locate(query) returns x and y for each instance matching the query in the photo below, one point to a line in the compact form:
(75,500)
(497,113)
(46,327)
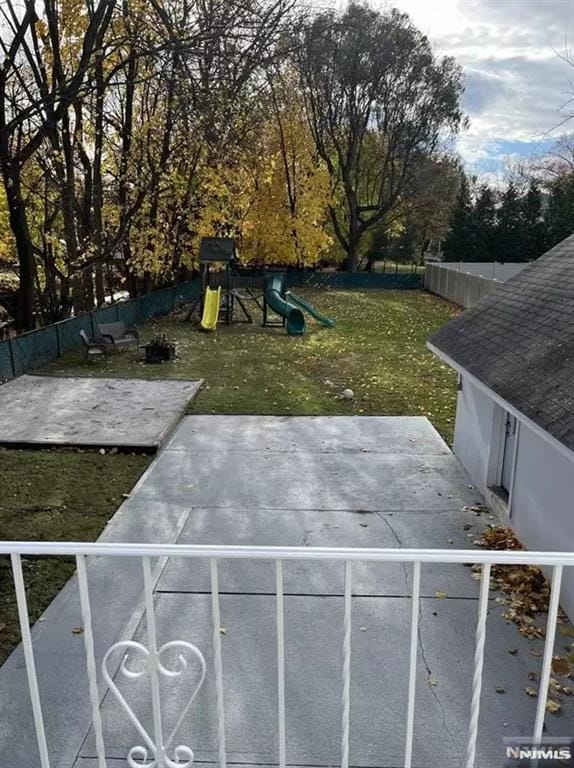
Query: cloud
(516,82)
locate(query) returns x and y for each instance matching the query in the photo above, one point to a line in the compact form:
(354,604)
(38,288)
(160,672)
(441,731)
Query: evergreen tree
(533,226)
(509,237)
(485,225)
(559,217)
(459,242)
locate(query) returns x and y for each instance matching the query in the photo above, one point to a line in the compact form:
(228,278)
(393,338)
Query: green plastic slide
(310,309)
(275,297)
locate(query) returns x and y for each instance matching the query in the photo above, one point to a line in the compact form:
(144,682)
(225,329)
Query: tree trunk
(20,230)
(353,255)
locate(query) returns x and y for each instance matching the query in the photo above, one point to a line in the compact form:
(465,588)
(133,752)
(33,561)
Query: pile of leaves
(525,587)
(526,595)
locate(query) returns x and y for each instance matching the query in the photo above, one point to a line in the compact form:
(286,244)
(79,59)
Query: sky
(516,82)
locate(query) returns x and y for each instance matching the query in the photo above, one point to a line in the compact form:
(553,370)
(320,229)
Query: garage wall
(475,417)
(543,502)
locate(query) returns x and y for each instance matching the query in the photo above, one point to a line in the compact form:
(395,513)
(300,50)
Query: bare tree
(37,92)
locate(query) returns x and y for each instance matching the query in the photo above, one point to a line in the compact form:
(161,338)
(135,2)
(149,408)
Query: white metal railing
(157,745)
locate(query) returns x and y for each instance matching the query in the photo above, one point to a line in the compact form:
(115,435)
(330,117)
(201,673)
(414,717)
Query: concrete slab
(320,528)
(109,413)
(290,481)
(315,434)
(329,481)
(379,674)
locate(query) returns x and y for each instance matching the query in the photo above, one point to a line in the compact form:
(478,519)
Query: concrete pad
(218,480)
(379,674)
(91,412)
(310,434)
(335,481)
(313,528)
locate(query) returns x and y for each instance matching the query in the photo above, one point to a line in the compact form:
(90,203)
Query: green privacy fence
(30,350)
(355,280)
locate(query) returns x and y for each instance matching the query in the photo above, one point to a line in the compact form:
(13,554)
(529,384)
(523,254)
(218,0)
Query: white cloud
(515,79)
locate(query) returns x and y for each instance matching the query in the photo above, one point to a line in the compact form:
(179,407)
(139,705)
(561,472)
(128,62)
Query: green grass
(377,349)
(54,495)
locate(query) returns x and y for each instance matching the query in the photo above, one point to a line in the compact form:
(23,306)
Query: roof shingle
(519,341)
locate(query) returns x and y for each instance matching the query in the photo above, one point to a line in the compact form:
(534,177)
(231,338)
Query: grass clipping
(526,595)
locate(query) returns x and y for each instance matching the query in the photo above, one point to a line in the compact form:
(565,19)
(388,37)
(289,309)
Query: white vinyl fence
(466,283)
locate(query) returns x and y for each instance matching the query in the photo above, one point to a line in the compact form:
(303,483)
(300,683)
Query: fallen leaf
(561,666)
(222,631)
(440,595)
(78,631)
(530,692)
(553,707)
(500,689)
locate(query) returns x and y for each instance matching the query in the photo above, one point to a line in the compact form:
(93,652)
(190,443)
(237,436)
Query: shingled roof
(519,341)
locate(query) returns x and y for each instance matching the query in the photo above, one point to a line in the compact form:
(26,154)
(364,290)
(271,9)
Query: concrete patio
(338,481)
(134,414)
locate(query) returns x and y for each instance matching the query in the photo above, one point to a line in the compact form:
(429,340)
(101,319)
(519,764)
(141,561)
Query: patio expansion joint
(337,510)
(337,595)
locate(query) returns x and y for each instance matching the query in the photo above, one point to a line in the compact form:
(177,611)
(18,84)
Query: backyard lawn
(377,349)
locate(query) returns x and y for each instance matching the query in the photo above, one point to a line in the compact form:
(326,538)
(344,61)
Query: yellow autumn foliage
(272,199)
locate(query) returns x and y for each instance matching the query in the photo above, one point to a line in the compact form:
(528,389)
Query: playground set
(225,294)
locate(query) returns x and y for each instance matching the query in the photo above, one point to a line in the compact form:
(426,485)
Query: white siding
(473,433)
(542,512)
(543,502)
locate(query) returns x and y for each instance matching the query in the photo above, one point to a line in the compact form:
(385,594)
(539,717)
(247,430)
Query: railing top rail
(287,553)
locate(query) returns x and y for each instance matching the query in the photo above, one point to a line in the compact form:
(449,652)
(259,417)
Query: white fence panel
(466,283)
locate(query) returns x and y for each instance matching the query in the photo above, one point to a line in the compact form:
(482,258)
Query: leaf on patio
(500,689)
(531,692)
(440,595)
(561,666)
(553,707)
(78,631)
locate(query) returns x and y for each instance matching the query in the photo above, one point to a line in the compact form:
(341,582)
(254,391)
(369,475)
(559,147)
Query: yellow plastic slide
(211,309)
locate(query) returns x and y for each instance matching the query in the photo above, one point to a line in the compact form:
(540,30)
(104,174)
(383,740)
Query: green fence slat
(6,371)
(128,312)
(69,331)
(356,280)
(33,349)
